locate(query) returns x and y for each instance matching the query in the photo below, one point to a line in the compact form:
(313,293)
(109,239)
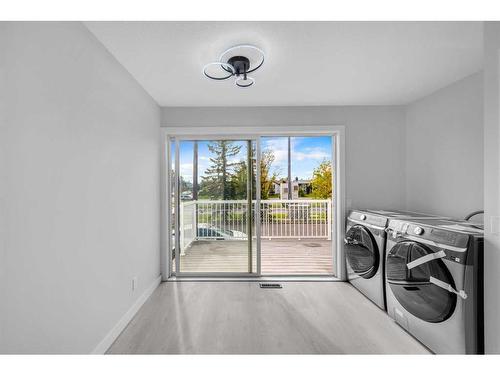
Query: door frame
(337,132)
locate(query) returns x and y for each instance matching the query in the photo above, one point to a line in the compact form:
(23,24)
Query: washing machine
(434,283)
(364,249)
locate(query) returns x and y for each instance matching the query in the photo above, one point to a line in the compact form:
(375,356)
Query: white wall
(492,185)
(444,143)
(374,167)
(79,192)
(79,165)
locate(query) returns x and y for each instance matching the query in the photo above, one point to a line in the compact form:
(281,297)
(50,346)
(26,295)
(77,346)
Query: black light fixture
(236,62)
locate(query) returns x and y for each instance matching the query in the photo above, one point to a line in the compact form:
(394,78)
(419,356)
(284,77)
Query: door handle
(426,258)
(448,287)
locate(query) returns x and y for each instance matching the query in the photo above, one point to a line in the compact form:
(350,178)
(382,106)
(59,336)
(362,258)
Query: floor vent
(271,285)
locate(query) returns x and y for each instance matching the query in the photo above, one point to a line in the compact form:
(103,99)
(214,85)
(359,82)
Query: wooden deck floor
(279,257)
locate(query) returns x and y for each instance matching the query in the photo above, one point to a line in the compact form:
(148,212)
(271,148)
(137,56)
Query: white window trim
(239,132)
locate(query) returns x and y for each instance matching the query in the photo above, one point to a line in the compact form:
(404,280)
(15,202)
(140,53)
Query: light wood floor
(279,257)
(187,317)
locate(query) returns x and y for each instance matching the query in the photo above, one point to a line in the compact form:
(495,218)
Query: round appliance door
(412,288)
(361,251)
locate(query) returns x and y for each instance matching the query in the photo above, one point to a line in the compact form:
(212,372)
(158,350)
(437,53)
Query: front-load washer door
(361,251)
(412,288)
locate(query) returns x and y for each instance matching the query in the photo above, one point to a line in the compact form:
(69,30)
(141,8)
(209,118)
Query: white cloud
(316,153)
(278,146)
(186,167)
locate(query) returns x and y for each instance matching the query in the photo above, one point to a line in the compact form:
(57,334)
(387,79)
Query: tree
(239,181)
(218,181)
(322,180)
(228,180)
(267,177)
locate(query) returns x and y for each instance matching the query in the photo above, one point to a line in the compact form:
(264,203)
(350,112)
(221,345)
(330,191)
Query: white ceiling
(307,63)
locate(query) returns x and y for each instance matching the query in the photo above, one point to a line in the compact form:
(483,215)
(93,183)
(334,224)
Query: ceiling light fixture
(236,62)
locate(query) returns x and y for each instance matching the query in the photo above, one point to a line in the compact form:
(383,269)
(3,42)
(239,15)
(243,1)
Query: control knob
(418,231)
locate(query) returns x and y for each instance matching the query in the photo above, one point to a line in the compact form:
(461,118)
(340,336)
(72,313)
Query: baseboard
(110,338)
(255,278)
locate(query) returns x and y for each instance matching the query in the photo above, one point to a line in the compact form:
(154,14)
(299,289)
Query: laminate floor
(237,317)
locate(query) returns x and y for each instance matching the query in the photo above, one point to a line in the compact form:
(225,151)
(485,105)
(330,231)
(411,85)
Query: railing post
(181,220)
(329,219)
(195,221)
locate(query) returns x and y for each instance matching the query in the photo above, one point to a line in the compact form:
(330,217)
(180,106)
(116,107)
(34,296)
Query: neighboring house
(300,188)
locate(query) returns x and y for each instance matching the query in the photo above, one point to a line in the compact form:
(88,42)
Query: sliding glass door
(253,206)
(214,210)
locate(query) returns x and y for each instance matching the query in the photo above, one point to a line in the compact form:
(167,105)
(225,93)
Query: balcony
(295,237)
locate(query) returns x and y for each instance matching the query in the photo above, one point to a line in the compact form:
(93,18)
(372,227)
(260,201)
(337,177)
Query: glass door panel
(215,207)
(296,206)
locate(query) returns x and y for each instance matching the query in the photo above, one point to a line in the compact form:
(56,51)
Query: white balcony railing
(210,219)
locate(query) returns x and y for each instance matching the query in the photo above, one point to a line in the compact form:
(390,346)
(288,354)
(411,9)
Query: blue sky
(307,153)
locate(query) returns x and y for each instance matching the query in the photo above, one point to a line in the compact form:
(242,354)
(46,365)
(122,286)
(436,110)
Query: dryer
(434,283)
(364,249)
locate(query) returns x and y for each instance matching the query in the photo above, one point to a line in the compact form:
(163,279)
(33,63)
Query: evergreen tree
(218,181)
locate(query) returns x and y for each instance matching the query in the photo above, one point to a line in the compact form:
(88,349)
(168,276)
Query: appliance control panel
(368,218)
(418,231)
(428,232)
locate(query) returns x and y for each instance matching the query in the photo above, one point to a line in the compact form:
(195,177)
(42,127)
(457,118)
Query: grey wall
(492,185)
(374,166)
(444,143)
(79,191)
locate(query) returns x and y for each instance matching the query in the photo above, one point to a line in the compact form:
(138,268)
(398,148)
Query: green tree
(218,181)
(267,177)
(322,180)
(239,181)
